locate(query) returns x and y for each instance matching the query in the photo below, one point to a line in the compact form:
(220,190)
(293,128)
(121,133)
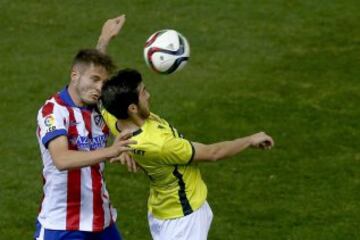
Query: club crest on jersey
(99,121)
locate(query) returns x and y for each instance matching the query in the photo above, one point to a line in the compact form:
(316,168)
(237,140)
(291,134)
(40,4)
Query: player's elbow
(60,165)
(214,155)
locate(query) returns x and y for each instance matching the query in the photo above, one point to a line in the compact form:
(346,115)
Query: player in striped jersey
(177,203)
(72,136)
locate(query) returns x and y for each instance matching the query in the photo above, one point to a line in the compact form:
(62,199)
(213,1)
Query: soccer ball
(166,51)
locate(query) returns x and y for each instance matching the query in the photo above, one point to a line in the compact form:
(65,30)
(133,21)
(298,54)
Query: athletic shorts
(194,226)
(110,232)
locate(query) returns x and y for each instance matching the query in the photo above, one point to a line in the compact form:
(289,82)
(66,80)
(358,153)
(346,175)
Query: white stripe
(86,208)
(106,207)
(86,211)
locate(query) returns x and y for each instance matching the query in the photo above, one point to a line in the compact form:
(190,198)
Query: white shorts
(194,226)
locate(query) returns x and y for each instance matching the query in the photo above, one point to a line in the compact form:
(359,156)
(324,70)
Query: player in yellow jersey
(177,204)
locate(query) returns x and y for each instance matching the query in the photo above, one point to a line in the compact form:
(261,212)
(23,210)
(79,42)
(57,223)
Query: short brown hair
(94,56)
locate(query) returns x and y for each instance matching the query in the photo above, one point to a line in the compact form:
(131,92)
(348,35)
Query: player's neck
(131,124)
(74,96)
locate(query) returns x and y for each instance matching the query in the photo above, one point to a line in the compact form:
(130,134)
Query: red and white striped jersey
(73,199)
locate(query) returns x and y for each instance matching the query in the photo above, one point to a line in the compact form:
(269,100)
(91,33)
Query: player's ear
(74,75)
(132,108)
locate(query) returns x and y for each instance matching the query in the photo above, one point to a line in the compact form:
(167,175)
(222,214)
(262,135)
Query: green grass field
(290,68)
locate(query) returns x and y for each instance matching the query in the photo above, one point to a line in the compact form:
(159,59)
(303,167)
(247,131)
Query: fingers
(121,146)
(271,142)
(262,140)
(112,27)
(265,145)
(123,142)
(126,143)
(126,159)
(125,135)
(120,19)
(133,165)
(128,162)
(118,23)
(115,159)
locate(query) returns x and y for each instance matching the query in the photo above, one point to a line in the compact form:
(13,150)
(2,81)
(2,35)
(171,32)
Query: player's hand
(261,140)
(125,158)
(110,29)
(120,146)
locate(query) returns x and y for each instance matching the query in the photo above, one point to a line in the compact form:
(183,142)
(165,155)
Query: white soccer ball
(166,51)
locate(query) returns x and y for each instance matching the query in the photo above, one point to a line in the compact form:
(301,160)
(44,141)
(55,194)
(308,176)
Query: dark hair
(121,91)
(94,56)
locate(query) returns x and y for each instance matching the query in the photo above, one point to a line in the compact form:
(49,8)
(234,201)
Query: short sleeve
(177,151)
(51,122)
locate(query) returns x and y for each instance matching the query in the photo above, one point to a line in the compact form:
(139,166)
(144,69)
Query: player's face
(88,83)
(144,101)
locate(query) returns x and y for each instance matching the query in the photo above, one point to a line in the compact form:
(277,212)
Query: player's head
(89,71)
(125,95)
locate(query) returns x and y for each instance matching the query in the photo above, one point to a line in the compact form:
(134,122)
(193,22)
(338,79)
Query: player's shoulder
(52,106)
(153,131)
(156,119)
(155,124)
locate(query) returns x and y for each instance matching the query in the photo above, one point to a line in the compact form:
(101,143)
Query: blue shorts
(110,232)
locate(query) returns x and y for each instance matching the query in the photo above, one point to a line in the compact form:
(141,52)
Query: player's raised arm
(110,29)
(222,150)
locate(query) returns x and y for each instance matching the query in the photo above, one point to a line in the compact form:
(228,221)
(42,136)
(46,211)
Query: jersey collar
(137,132)
(65,96)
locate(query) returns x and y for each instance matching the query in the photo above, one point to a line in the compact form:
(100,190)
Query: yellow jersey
(176,186)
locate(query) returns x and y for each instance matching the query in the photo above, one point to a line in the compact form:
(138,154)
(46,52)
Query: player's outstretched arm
(226,149)
(110,29)
(65,159)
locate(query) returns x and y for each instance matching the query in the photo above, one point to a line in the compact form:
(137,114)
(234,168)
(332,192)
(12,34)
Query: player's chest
(86,131)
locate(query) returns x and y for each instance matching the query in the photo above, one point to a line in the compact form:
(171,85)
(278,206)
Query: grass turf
(288,67)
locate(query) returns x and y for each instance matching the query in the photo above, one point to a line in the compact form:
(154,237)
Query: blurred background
(290,68)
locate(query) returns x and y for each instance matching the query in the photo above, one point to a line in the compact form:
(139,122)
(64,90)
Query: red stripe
(73,200)
(47,109)
(105,129)
(98,211)
(72,130)
(148,43)
(87,119)
(59,100)
(149,57)
(73,185)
